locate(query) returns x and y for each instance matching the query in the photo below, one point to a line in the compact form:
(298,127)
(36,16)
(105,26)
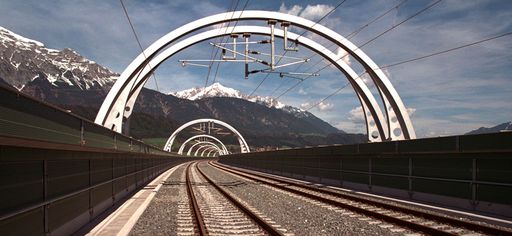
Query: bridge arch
(214,152)
(206,148)
(373,114)
(114,108)
(243,144)
(182,147)
(191,148)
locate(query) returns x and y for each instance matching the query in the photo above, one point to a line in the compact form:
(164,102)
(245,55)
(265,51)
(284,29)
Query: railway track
(413,219)
(216,212)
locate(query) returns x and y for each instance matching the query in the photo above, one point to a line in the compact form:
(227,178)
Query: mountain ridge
(30,59)
(494,129)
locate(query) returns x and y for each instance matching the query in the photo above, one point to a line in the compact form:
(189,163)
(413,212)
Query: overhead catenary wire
(400,23)
(218,64)
(349,36)
(220,40)
(302,34)
(366,43)
(417,59)
(353,34)
(329,96)
(138,42)
(446,51)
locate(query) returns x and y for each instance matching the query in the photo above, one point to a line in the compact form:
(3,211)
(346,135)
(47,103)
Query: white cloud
(350,127)
(356,115)
(302,91)
(316,12)
(294,10)
(305,105)
(322,106)
(325,106)
(310,12)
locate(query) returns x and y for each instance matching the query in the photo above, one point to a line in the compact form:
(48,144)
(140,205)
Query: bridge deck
(61,173)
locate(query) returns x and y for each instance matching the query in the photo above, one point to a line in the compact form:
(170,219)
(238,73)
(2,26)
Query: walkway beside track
(122,220)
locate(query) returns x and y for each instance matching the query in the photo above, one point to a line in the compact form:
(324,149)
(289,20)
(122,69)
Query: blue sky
(449,94)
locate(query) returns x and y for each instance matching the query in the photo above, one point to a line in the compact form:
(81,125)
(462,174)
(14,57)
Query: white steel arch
(243,144)
(369,103)
(114,108)
(208,154)
(182,147)
(190,149)
(376,125)
(206,148)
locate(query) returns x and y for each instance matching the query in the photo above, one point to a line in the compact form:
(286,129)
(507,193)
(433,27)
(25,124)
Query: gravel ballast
(297,214)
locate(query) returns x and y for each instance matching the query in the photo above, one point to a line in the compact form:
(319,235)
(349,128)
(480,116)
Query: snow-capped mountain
(214,90)
(25,60)
(218,90)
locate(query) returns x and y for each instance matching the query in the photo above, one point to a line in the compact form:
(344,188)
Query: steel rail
(195,207)
(262,223)
(411,225)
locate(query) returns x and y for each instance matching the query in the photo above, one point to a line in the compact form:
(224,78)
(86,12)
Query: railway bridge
(62,174)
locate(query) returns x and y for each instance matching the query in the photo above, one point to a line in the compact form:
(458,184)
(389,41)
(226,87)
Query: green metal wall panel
(29,223)
(101,170)
(62,211)
(481,142)
(497,194)
(390,182)
(356,164)
(344,150)
(452,189)
(389,165)
(439,167)
(355,177)
(494,170)
(21,183)
(441,144)
(66,176)
(382,147)
(101,193)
